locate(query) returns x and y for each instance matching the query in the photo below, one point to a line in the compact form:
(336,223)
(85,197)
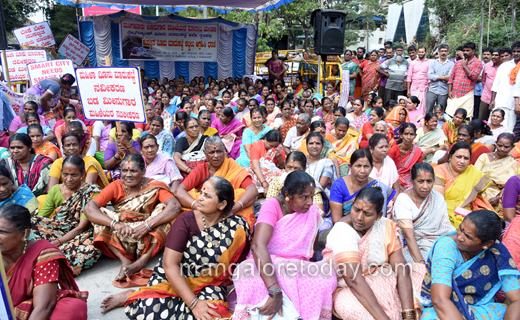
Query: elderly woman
(284,234)
(344,142)
(143,211)
(421,213)
(61,219)
(188,150)
(209,231)
(46,93)
(46,148)
(41,281)
(10,194)
(297,134)
(461,184)
(25,166)
(164,137)
(405,154)
(94,174)
(116,151)
(430,139)
(384,169)
(159,166)
(465,270)
(320,168)
(498,166)
(252,134)
(219,165)
(230,131)
(366,250)
(267,160)
(205,122)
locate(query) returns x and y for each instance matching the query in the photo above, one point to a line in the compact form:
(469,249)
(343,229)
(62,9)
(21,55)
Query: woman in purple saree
(230,131)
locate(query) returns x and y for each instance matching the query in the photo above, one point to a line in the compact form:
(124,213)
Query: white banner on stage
(17,61)
(111,94)
(169,41)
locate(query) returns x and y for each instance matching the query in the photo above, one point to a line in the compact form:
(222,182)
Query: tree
(62,20)
(16,12)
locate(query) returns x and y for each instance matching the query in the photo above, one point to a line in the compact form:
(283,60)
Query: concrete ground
(98,282)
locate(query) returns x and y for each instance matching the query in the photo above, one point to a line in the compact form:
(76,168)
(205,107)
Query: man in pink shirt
(488,76)
(417,80)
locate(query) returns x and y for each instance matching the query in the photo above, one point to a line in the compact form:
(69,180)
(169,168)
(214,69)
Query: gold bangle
(193,203)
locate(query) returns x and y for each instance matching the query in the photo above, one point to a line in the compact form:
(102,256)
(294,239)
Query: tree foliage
(16,12)
(62,20)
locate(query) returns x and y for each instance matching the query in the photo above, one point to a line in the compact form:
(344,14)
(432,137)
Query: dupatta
(24,197)
(404,168)
(431,140)
(233,128)
(36,177)
(499,172)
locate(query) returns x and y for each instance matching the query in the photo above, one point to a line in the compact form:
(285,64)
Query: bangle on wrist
(193,203)
(241,204)
(59,240)
(147,226)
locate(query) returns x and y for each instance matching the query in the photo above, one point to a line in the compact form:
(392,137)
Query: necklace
(140,187)
(208,238)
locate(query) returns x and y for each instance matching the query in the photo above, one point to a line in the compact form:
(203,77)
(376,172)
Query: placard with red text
(36,35)
(111,94)
(49,69)
(73,49)
(17,61)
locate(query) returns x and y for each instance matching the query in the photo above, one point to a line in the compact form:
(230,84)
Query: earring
(287,199)
(24,246)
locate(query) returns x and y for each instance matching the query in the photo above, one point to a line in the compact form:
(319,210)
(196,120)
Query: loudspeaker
(3,34)
(329,31)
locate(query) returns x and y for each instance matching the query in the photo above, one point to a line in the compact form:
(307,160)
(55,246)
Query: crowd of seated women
(348,196)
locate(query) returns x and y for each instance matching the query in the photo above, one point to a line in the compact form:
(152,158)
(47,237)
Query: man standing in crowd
(488,76)
(412,53)
(479,88)
(395,70)
(463,77)
(353,69)
(417,80)
(380,53)
(459,54)
(360,57)
(506,54)
(389,54)
(439,73)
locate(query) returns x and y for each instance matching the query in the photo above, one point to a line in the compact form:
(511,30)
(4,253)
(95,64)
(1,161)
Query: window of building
(380,40)
(400,32)
(361,39)
(424,26)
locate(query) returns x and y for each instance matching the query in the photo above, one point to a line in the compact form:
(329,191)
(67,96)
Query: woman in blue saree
(466,269)
(20,195)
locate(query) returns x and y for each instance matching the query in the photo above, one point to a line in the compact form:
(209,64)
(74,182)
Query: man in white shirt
(502,89)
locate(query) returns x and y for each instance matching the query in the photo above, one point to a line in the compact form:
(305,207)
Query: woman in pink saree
(230,131)
(285,231)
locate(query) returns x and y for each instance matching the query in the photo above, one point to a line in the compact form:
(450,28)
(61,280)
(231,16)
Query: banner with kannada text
(36,35)
(17,61)
(168,41)
(111,94)
(73,49)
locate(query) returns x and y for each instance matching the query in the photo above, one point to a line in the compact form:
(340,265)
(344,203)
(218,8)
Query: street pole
(205,13)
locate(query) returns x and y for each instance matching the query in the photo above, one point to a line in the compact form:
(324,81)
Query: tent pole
(318,85)
(79,29)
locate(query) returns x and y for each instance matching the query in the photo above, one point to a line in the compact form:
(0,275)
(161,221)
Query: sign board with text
(49,69)
(111,94)
(168,41)
(345,88)
(36,35)
(98,10)
(17,61)
(73,49)
(16,100)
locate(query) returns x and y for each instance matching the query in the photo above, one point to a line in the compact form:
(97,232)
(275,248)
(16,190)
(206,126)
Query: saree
(498,172)
(234,129)
(478,149)
(393,119)
(284,128)
(240,114)
(271,117)
(84,143)
(46,148)
(229,241)
(372,251)
(474,282)
(327,152)
(210,131)
(166,142)
(134,210)
(431,140)
(36,177)
(164,169)
(194,154)
(404,164)
(23,197)
(80,251)
(70,304)
(450,132)
(267,163)
(370,77)
(465,192)
(359,122)
(309,287)
(431,222)
(343,150)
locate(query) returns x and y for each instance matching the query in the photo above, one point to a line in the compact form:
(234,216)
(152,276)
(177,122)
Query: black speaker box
(3,34)
(329,31)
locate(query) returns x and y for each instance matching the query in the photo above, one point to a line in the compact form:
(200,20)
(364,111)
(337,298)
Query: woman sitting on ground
(46,148)
(466,268)
(286,121)
(297,134)
(366,240)
(461,184)
(381,127)
(159,166)
(230,131)
(422,214)
(358,117)
(10,194)
(495,122)
(205,123)
(94,174)
(284,233)
(466,133)
(21,120)
(430,139)
(41,281)
(116,151)
(320,168)
(25,166)
(210,231)
(498,166)
(178,129)
(164,137)
(143,211)
(188,150)
(61,220)
(416,115)
(344,143)
(483,134)
(219,165)
(405,154)
(252,134)
(367,130)
(267,160)
(451,127)
(384,169)
(33,118)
